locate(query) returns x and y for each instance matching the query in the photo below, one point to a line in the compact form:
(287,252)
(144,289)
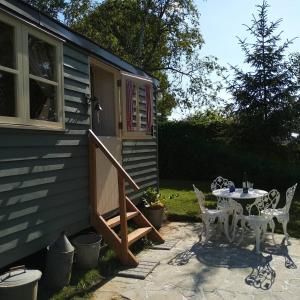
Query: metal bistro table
(238,194)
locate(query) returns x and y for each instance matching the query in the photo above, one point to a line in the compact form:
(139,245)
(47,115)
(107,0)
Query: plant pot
(155,216)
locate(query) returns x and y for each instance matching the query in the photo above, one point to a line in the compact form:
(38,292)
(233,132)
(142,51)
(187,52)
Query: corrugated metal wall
(44,175)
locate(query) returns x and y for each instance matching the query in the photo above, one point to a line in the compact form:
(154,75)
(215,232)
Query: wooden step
(113,222)
(137,234)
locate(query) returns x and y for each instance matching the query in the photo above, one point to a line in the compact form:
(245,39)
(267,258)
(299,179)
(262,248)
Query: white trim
(13,16)
(43,80)
(8,70)
(22,77)
(136,77)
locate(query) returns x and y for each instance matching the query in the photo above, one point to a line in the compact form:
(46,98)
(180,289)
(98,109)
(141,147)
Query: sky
(221,21)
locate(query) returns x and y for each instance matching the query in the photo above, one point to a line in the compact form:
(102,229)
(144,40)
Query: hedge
(204,151)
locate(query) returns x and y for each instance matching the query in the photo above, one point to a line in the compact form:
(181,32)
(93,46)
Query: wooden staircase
(127,210)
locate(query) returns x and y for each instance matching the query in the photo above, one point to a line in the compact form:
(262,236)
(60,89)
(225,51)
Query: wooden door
(104,126)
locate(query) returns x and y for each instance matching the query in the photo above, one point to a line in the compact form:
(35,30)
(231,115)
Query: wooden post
(93,175)
(123,219)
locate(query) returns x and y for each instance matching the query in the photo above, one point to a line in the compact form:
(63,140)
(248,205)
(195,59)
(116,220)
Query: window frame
(22,90)
(138,81)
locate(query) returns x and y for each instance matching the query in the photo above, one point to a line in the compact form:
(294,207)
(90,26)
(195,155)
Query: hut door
(104,126)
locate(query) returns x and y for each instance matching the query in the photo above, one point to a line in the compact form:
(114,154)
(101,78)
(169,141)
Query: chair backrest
(220,183)
(289,197)
(269,201)
(201,199)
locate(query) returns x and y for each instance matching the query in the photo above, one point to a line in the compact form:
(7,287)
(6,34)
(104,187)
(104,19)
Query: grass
(180,200)
(181,203)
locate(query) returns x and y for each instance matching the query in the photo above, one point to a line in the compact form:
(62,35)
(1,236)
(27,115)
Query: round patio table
(238,193)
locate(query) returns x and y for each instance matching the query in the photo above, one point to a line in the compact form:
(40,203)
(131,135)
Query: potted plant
(154,208)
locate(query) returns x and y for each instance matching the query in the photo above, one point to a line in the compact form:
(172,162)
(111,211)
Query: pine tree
(266,97)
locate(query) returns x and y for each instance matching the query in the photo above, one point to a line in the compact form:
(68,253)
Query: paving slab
(216,270)
(167,245)
(144,268)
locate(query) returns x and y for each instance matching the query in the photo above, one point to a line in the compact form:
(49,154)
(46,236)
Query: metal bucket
(59,263)
(19,284)
(87,248)
(155,217)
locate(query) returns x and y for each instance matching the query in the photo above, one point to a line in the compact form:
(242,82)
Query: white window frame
(138,81)
(22,93)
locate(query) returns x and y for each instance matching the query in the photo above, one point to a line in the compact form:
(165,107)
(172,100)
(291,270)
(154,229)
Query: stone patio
(217,270)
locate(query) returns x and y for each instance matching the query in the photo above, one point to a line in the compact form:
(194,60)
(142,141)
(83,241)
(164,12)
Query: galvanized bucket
(19,284)
(87,248)
(59,263)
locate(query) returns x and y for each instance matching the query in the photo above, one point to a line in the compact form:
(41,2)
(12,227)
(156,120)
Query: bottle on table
(245,183)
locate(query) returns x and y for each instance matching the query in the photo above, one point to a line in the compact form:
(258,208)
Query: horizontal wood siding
(140,161)
(44,174)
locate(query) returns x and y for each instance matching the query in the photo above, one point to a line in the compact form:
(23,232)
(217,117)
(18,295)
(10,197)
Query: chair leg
(263,234)
(272,225)
(257,239)
(234,224)
(205,229)
(284,226)
(243,226)
(226,218)
(220,225)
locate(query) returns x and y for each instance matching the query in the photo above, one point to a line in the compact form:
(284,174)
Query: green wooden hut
(56,86)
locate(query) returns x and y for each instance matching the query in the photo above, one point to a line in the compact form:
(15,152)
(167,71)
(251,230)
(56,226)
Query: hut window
(138,102)
(8,72)
(42,80)
(31,89)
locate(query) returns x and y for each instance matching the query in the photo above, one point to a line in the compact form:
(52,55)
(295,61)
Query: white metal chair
(221,183)
(238,216)
(257,221)
(282,214)
(209,216)
(222,203)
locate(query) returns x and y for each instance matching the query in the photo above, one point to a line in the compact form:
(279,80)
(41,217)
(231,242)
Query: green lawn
(182,205)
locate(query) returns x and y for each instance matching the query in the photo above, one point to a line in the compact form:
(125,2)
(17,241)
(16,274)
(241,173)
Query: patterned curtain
(129,104)
(149,107)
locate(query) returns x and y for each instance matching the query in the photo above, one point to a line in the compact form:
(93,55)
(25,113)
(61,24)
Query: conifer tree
(266,98)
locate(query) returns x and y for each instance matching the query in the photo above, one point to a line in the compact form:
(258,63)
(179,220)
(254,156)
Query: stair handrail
(94,139)
(122,176)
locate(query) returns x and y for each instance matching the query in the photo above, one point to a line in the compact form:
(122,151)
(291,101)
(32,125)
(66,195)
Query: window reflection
(7,53)
(42,101)
(7,94)
(41,58)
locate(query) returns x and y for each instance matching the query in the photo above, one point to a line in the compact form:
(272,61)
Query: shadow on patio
(219,254)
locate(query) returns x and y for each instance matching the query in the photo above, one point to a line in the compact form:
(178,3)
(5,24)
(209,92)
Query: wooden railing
(95,143)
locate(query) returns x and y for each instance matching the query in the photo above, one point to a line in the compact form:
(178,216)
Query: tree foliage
(266,97)
(67,11)
(161,37)
(50,7)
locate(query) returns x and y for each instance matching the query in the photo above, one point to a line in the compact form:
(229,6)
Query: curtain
(129,104)
(149,108)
